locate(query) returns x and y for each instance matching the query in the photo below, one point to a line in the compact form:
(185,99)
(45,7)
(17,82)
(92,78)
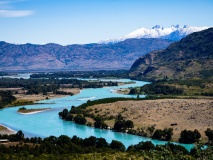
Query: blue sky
(87,21)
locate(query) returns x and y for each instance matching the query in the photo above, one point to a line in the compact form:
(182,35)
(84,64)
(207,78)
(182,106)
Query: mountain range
(174,33)
(191,57)
(97,56)
(51,56)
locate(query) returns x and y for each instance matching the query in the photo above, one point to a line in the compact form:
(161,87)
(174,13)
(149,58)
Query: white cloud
(15,13)
(7,9)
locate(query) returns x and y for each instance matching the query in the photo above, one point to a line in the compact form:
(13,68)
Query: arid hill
(119,55)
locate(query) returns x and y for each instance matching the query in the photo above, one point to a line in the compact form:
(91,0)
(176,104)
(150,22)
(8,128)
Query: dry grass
(189,114)
(38,97)
(2,128)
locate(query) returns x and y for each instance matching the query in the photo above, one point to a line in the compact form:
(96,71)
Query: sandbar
(32,111)
(6,130)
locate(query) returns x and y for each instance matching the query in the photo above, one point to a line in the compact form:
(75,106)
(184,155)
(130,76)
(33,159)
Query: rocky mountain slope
(76,57)
(191,57)
(174,33)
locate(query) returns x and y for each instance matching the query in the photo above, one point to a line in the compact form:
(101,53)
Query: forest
(64,147)
(166,87)
(6,98)
(84,74)
(44,86)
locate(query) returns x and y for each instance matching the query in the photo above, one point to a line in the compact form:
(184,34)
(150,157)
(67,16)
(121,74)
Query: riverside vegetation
(84,74)
(177,88)
(9,88)
(64,147)
(83,115)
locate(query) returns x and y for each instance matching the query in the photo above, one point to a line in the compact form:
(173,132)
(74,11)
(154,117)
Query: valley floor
(38,97)
(21,96)
(188,114)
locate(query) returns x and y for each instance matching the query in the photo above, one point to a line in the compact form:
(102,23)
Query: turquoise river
(48,123)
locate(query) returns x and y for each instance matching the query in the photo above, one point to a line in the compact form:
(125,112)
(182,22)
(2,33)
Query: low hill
(191,57)
(76,57)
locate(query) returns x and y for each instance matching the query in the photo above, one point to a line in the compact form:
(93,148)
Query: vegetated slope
(191,57)
(76,57)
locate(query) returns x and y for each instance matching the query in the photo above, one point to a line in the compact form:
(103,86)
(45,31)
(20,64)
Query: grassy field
(189,114)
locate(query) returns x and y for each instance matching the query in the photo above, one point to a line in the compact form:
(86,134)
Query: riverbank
(179,114)
(6,130)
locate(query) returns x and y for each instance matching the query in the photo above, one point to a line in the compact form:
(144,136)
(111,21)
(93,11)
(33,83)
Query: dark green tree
(20,135)
(209,134)
(147,145)
(91,141)
(117,145)
(119,125)
(165,134)
(188,136)
(168,132)
(102,143)
(63,114)
(99,123)
(69,117)
(79,119)
(129,124)
(158,134)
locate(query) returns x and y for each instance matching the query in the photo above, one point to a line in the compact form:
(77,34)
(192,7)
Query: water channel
(48,123)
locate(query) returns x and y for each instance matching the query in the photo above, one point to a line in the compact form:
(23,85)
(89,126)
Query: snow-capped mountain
(174,33)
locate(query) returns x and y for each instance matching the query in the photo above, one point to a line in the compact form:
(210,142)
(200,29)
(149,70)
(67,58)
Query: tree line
(75,147)
(6,98)
(155,88)
(43,86)
(78,115)
(84,74)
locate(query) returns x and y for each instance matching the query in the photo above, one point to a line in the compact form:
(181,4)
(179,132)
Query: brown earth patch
(38,97)
(189,114)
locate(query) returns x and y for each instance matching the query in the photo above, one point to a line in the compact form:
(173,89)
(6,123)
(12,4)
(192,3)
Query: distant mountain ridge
(76,57)
(191,57)
(174,33)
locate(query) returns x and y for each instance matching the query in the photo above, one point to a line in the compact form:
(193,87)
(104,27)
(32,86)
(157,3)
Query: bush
(188,136)
(148,145)
(117,145)
(165,134)
(79,119)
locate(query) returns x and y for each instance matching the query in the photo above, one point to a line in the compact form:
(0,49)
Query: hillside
(76,57)
(191,57)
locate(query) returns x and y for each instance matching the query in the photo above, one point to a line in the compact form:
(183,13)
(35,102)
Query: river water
(48,123)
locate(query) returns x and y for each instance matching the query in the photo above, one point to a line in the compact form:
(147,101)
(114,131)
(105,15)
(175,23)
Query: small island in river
(23,110)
